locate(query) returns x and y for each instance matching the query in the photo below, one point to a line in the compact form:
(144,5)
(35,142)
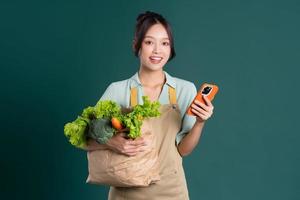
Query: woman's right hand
(120,144)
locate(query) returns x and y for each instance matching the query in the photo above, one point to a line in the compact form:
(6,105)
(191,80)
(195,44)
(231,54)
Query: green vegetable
(88,125)
(101,130)
(134,119)
(75,131)
(107,109)
(88,113)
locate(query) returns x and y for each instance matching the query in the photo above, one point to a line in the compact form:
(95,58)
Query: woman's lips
(155,59)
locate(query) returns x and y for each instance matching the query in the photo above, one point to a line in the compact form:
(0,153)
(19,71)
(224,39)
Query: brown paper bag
(109,168)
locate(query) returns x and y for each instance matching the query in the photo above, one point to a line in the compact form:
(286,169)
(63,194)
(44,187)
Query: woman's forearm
(190,141)
(93,145)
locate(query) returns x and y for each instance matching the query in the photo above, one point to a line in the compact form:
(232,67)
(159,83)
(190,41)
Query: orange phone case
(209,90)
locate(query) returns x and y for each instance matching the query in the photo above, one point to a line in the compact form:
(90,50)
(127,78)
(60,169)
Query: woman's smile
(155,59)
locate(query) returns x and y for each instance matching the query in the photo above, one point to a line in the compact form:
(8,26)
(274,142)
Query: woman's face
(155,49)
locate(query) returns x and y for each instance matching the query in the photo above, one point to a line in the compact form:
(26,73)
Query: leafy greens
(88,123)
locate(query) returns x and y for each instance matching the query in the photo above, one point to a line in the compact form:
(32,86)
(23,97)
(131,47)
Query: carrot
(116,123)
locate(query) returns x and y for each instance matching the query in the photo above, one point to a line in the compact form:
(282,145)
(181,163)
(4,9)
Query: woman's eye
(148,42)
(166,43)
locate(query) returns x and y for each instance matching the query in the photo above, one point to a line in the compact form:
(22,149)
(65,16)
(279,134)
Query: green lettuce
(107,109)
(134,119)
(87,124)
(75,131)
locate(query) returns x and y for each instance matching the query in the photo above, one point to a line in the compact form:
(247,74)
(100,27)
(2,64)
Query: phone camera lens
(206,90)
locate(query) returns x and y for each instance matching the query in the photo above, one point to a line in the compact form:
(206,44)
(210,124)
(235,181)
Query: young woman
(177,133)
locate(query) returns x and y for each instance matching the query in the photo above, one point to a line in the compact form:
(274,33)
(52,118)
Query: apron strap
(134,97)
(172,95)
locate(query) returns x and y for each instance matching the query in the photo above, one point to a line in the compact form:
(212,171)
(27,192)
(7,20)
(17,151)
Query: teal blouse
(185,92)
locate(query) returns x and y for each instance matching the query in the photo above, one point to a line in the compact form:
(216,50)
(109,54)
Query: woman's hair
(143,22)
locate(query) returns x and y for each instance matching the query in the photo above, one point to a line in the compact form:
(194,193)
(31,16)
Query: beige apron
(172,185)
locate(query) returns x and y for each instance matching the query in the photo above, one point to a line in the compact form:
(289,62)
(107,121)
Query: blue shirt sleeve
(185,99)
(107,95)
(118,92)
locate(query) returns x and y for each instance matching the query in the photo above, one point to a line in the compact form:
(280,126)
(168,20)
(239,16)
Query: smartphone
(209,90)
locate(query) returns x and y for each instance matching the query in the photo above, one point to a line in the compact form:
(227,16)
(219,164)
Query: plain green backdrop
(57,57)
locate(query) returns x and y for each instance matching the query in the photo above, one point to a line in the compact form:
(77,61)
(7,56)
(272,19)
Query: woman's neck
(151,78)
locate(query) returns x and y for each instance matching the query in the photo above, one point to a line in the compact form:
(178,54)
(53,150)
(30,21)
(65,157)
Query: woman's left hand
(202,111)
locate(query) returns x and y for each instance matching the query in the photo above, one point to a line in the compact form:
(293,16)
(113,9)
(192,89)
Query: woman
(177,133)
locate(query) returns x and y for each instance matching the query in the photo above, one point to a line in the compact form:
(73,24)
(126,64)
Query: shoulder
(180,83)
(116,90)
(185,91)
(121,83)
(120,86)
(183,87)
(184,84)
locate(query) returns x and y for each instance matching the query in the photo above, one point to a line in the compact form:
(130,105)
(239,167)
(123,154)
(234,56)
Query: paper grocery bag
(107,167)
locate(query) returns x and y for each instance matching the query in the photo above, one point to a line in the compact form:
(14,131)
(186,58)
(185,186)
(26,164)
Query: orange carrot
(116,123)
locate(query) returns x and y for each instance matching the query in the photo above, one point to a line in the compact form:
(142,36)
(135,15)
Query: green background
(58,57)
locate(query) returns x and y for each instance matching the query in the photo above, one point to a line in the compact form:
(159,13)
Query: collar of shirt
(135,81)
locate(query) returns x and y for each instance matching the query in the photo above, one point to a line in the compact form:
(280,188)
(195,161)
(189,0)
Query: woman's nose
(156,48)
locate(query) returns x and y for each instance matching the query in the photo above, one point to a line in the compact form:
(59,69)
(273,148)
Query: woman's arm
(202,112)
(93,145)
(120,144)
(190,141)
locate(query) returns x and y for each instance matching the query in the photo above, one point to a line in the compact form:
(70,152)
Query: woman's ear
(134,47)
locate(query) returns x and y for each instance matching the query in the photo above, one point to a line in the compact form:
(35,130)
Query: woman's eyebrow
(148,36)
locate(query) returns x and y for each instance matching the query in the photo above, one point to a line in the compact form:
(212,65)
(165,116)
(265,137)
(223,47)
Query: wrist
(199,122)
